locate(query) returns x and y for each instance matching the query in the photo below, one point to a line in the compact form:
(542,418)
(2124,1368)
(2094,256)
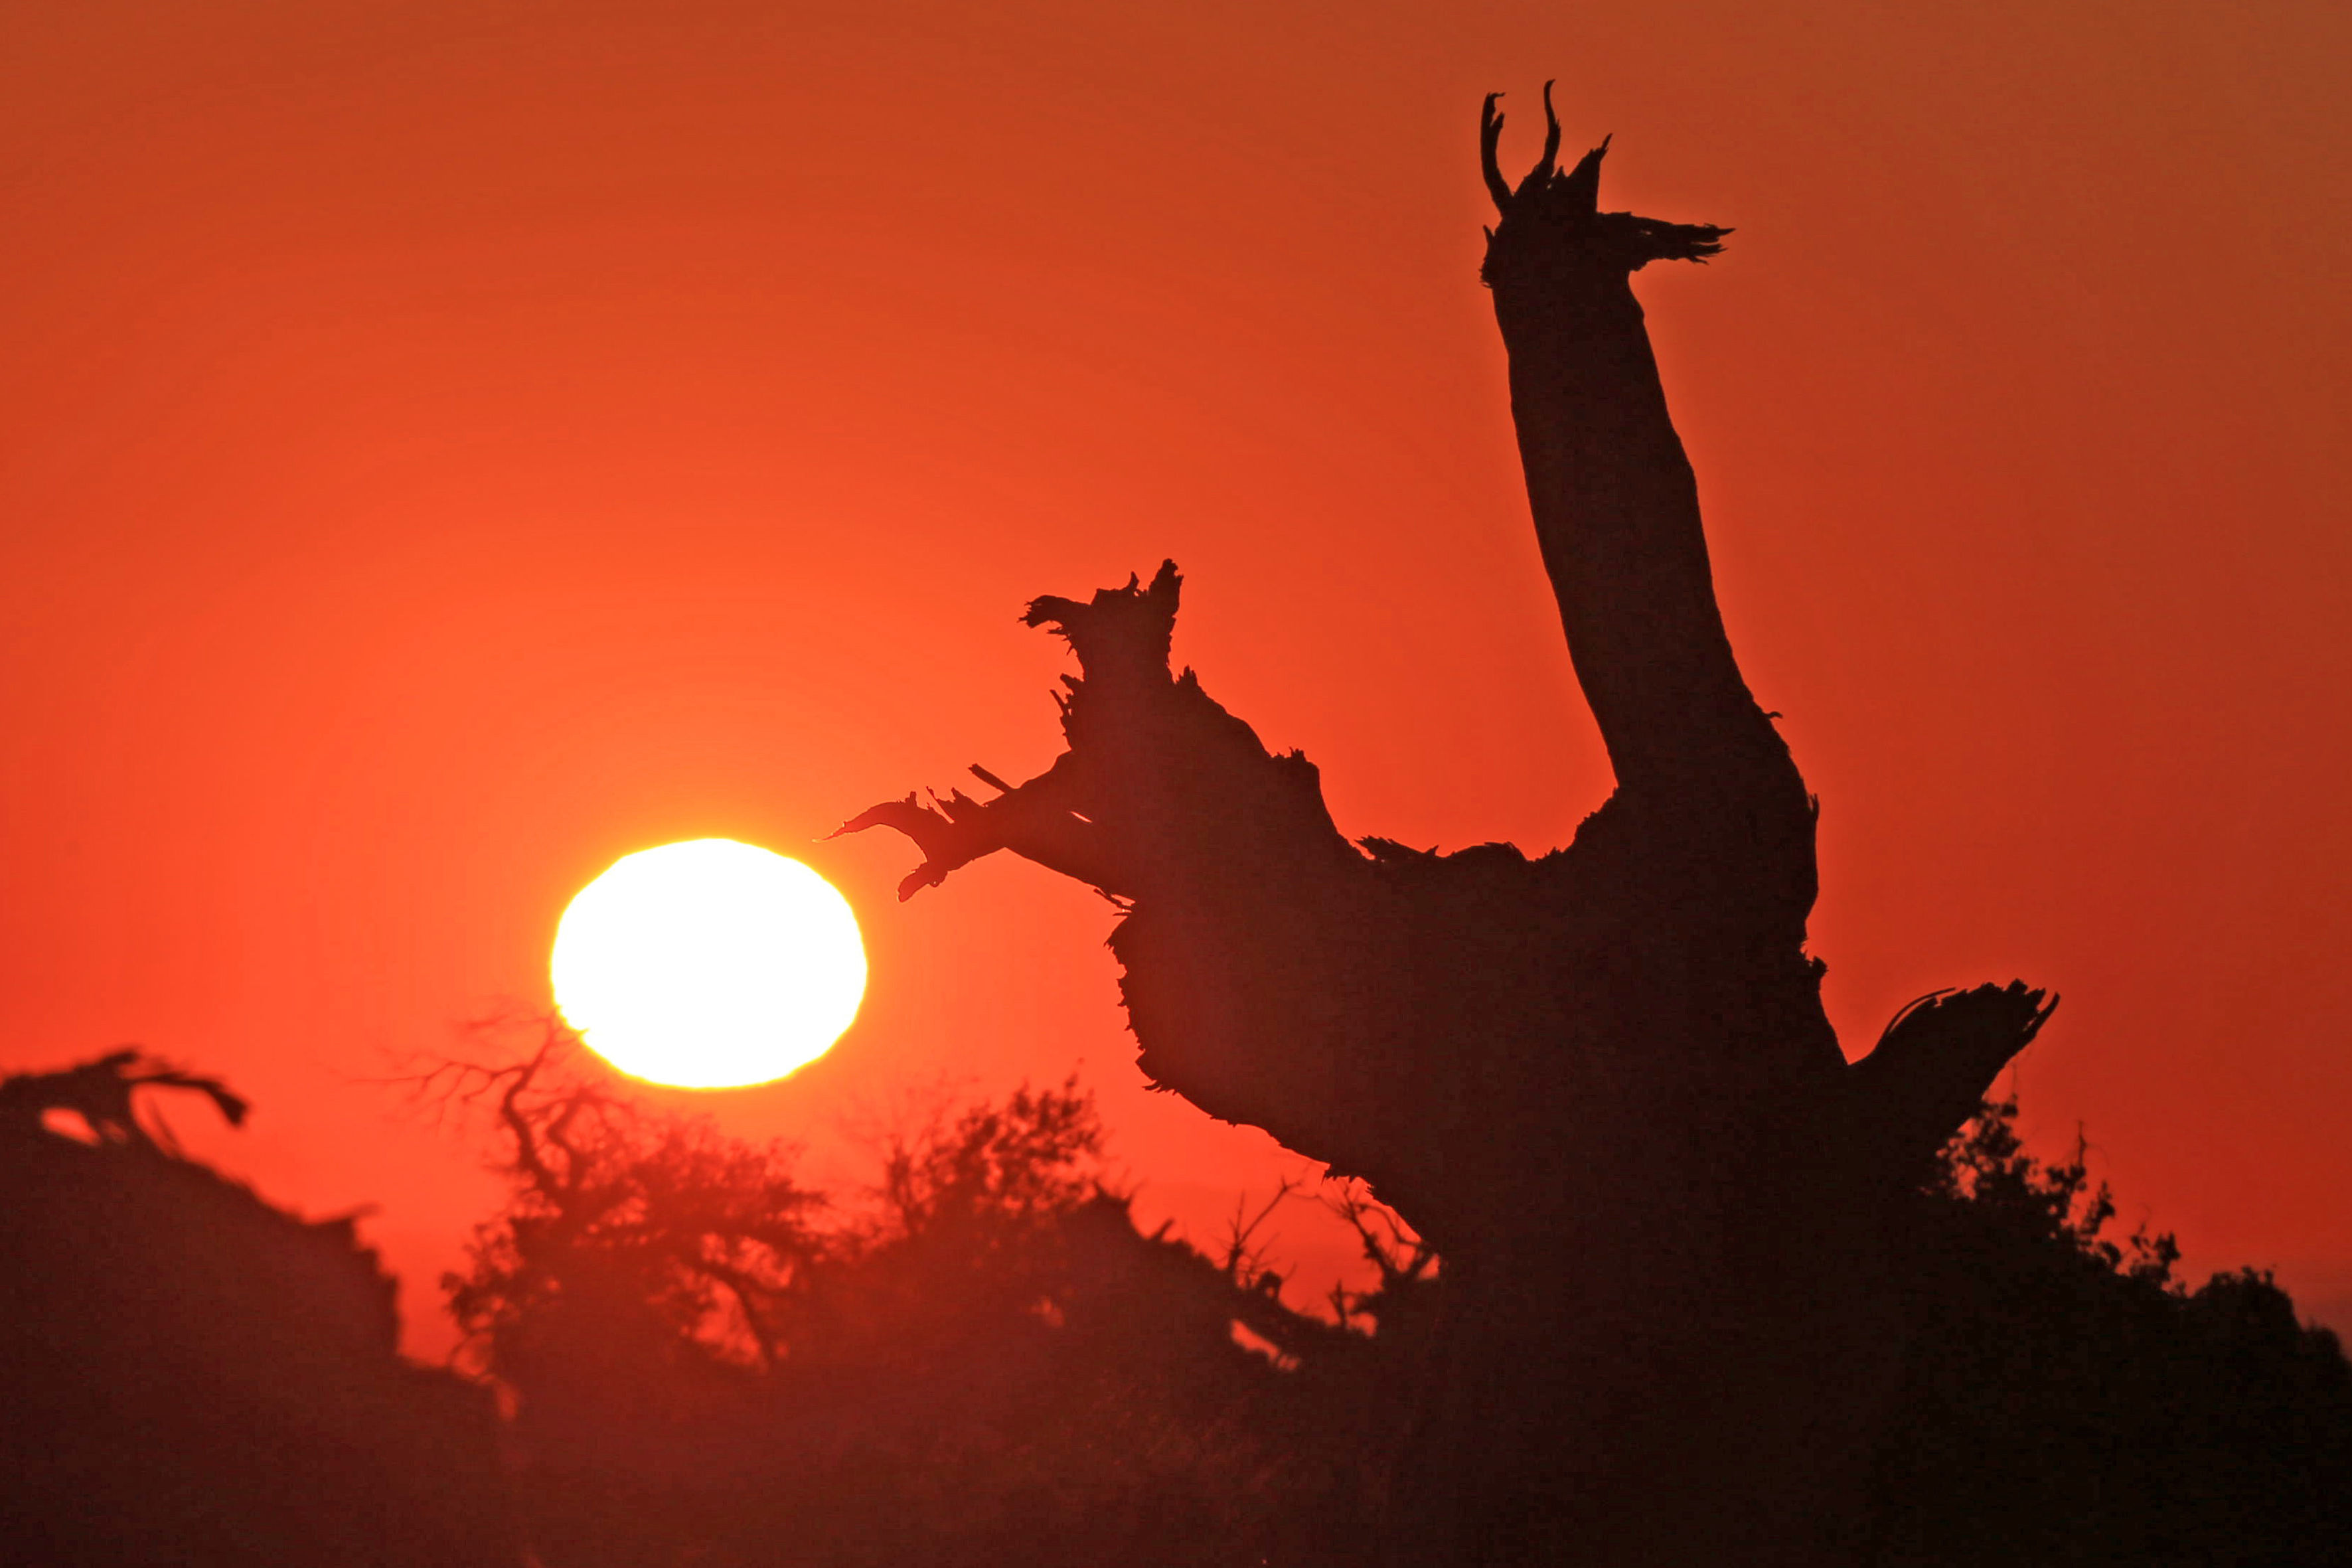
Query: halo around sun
(709,965)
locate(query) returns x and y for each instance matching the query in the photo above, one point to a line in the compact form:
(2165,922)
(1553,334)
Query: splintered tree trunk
(1600,1082)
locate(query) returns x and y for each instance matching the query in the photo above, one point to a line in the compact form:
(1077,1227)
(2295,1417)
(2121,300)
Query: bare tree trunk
(1600,1082)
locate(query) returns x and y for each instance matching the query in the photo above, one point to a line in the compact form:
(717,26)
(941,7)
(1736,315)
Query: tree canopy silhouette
(1600,1082)
(2068,1398)
(984,1361)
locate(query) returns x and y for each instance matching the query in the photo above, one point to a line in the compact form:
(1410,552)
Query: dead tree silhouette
(1600,1082)
(100,1092)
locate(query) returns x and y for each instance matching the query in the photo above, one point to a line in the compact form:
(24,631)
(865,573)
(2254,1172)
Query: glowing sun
(709,965)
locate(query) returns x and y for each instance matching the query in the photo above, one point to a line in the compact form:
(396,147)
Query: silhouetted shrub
(2070,1400)
(987,1364)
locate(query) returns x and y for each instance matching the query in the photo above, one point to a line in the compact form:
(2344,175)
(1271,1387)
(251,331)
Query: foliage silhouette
(2068,1399)
(985,1363)
(990,1366)
(616,1212)
(189,1375)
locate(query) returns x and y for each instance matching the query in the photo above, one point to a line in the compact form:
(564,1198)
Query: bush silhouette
(985,1363)
(990,1364)
(2068,1399)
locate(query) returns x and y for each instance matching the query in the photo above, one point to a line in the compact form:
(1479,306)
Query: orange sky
(446,447)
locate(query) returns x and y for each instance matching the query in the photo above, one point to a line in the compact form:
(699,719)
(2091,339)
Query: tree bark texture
(1600,1081)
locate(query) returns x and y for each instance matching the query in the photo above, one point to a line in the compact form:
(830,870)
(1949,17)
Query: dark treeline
(984,1361)
(980,1359)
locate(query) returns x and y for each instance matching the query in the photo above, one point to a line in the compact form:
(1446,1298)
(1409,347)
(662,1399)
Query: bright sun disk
(709,965)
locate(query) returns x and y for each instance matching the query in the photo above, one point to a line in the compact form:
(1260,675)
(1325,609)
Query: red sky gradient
(443,447)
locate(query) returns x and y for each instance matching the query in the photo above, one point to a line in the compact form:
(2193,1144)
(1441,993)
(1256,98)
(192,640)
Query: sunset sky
(444,448)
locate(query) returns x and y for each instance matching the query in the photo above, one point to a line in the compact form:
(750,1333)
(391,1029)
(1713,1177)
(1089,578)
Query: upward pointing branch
(1617,518)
